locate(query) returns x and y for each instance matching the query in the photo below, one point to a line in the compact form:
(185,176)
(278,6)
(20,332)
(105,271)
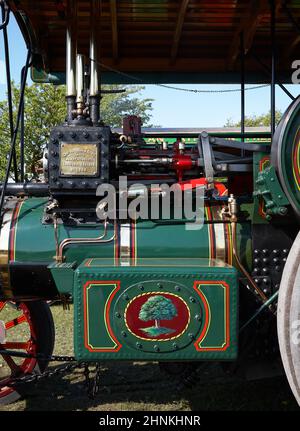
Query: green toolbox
(162,309)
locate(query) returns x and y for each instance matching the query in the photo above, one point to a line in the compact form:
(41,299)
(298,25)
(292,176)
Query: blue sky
(172,108)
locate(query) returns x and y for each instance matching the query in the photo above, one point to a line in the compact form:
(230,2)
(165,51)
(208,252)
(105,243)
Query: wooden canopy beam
(114,29)
(178,29)
(292,45)
(248,26)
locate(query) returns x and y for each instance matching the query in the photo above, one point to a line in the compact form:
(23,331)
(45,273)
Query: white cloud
(2,72)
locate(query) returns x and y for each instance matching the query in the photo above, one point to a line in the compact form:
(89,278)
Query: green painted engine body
(189,271)
(33,241)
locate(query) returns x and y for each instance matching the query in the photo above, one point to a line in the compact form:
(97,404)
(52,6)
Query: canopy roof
(168,40)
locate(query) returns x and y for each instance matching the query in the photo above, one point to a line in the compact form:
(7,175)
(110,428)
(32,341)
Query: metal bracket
(270,190)
(221,142)
(204,148)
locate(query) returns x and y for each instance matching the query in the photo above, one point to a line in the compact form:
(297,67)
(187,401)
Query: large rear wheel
(288,320)
(24,327)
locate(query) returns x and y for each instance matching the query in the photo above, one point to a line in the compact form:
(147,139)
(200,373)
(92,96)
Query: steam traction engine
(151,289)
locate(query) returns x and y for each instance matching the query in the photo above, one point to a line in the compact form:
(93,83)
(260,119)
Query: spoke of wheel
(16,345)
(2,305)
(10,362)
(15,322)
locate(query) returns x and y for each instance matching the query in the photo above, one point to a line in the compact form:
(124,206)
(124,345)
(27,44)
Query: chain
(172,87)
(92,385)
(96,382)
(34,377)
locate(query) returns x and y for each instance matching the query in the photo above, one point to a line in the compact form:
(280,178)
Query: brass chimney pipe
(80,102)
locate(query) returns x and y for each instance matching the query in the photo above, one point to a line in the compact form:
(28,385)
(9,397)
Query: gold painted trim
(4,252)
(105,322)
(210,318)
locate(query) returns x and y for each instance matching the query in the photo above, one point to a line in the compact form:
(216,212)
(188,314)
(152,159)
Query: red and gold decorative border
(296,161)
(207,321)
(218,249)
(211,232)
(87,345)
(13,231)
(133,253)
(263,164)
(116,244)
(228,242)
(132,244)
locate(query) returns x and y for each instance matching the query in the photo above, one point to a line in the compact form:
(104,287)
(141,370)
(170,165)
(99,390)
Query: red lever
(198,182)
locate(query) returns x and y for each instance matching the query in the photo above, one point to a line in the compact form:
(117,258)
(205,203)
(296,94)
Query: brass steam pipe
(70,241)
(232,213)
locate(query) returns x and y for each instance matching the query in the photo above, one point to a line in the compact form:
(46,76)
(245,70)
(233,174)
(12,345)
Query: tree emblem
(157,308)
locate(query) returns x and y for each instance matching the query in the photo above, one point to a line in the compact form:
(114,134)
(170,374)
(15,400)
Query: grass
(143,387)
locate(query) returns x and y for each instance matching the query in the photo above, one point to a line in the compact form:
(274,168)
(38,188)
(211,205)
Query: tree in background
(45,108)
(115,106)
(256,120)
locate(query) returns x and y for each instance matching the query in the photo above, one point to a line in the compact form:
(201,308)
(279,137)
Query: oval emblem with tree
(157,316)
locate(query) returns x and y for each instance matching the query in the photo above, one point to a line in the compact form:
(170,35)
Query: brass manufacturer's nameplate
(78,159)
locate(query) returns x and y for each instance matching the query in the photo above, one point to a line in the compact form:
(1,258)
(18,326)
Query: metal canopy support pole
(15,134)
(22,141)
(273,66)
(242,54)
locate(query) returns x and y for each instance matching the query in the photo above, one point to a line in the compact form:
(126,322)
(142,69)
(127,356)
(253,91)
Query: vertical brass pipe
(79,84)
(232,214)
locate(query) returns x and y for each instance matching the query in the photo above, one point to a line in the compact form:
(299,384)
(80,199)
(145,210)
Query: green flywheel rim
(286,153)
